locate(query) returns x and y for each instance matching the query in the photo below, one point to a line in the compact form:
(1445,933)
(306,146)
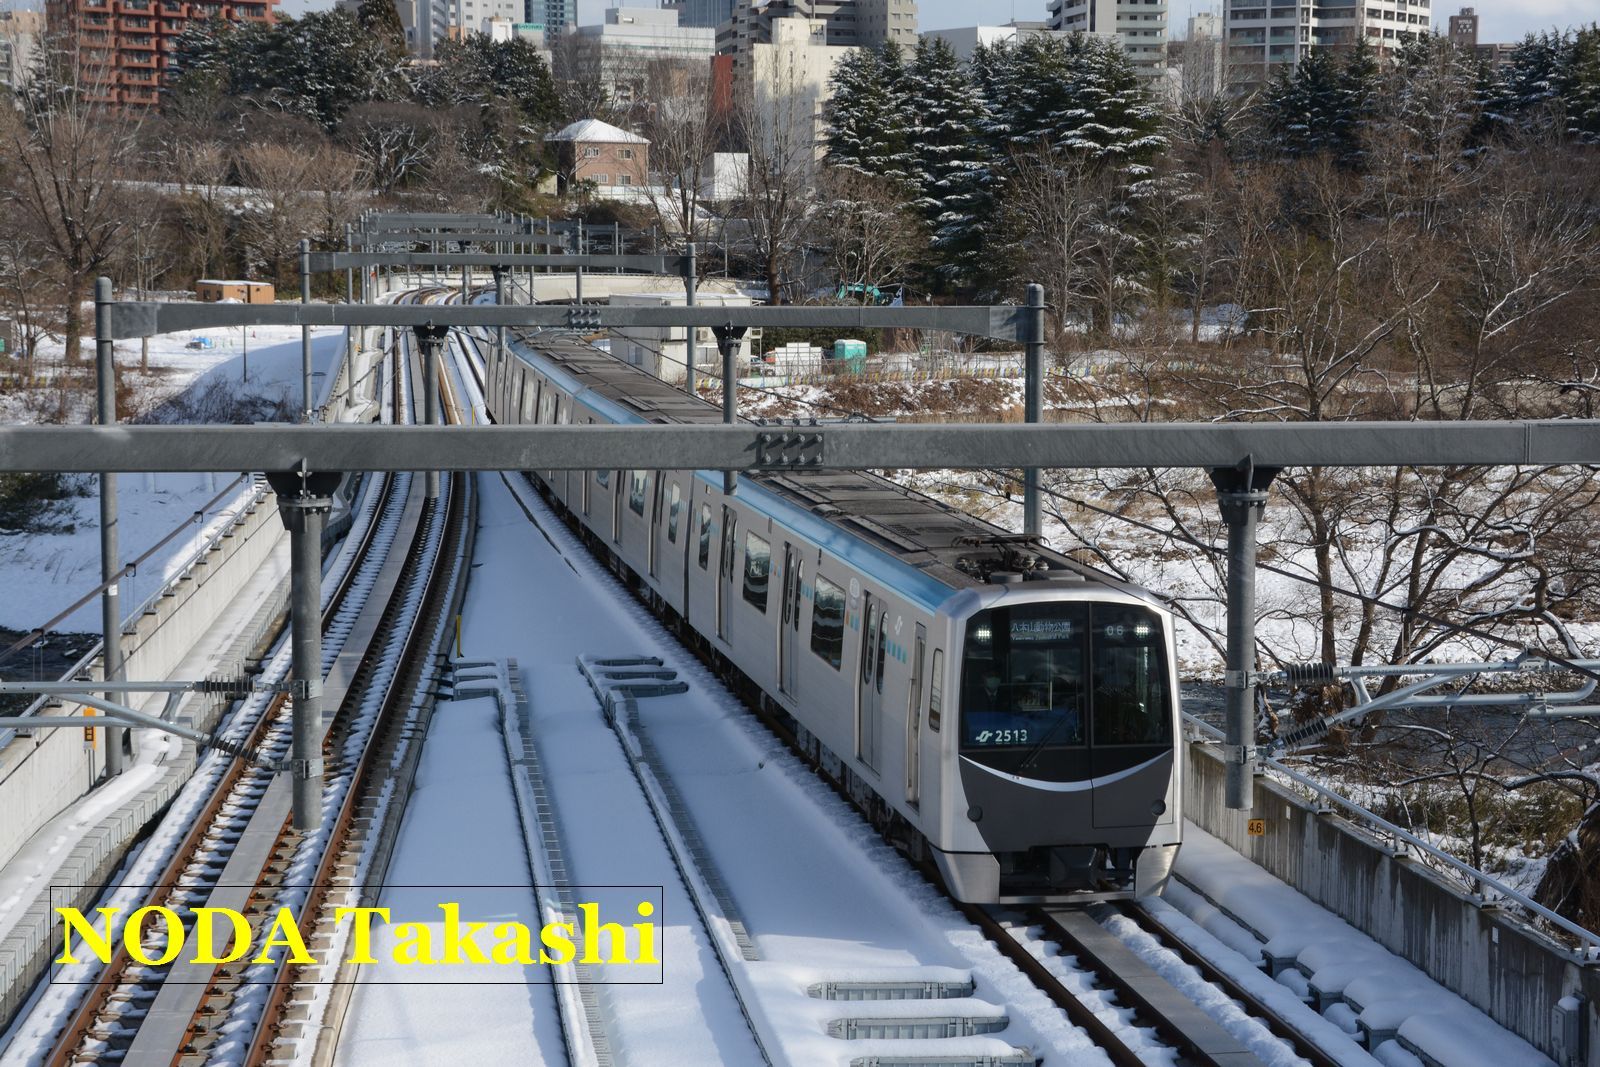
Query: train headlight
(983,633)
(1158,808)
(1141,630)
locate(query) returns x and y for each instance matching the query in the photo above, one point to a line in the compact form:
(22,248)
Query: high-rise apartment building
(553,15)
(1264,36)
(847,23)
(20,32)
(1140,27)
(125,46)
(712,13)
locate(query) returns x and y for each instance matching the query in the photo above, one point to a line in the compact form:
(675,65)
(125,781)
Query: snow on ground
(1335,958)
(536,610)
(823,897)
(394,1016)
(44,573)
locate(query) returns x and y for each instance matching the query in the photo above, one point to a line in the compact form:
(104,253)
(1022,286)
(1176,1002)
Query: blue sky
(1503,20)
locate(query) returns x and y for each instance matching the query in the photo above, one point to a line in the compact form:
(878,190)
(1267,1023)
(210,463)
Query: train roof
(944,543)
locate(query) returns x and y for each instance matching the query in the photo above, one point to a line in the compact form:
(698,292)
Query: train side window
(936,690)
(705,535)
(674,506)
(827,623)
(757,571)
(636,492)
(603,477)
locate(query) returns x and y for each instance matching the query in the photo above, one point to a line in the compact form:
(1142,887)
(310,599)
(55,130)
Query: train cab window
(1130,678)
(936,691)
(674,506)
(1036,677)
(637,491)
(827,623)
(705,535)
(757,571)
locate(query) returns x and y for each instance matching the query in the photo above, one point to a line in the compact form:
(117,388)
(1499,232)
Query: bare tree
(279,176)
(394,142)
(69,158)
(777,123)
(340,184)
(684,128)
(872,234)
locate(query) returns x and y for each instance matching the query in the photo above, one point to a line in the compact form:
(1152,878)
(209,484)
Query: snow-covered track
(1231,987)
(238,850)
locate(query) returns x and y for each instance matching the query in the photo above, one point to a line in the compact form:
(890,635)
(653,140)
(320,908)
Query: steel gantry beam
(748,447)
(378,238)
(648,264)
(129,320)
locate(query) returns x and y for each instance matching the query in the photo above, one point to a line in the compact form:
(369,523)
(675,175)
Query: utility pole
(430,339)
(307,401)
(1033,406)
(690,282)
(1242,496)
(110,564)
(304,500)
(728,338)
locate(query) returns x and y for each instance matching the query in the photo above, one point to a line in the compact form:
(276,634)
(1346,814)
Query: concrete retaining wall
(40,775)
(1511,972)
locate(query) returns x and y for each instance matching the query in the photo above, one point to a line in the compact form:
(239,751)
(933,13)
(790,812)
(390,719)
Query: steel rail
(1257,1008)
(1200,1048)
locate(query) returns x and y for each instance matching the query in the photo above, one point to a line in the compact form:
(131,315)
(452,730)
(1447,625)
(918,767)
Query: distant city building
(712,13)
(789,78)
(966,39)
(1140,27)
(1464,34)
(475,16)
(1264,36)
(19,43)
(552,16)
(1197,62)
(614,161)
(846,23)
(633,38)
(124,47)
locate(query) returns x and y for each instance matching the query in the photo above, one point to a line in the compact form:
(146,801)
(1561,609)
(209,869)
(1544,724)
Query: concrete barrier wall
(41,775)
(1511,972)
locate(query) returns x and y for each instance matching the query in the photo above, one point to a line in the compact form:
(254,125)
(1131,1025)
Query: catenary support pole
(1032,521)
(430,340)
(728,338)
(1242,496)
(500,298)
(691,281)
(306,398)
(110,556)
(350,332)
(303,502)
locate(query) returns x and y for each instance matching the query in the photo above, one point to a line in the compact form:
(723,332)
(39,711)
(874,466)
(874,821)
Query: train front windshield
(1045,685)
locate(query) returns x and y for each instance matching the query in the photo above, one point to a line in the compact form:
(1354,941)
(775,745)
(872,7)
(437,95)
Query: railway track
(240,851)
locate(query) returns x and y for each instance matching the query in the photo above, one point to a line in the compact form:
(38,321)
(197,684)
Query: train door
(655,531)
(616,506)
(869,714)
(789,626)
(730,522)
(919,653)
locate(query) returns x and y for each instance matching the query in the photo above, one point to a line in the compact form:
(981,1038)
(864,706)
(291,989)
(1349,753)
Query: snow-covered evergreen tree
(951,166)
(866,117)
(1580,86)
(1322,104)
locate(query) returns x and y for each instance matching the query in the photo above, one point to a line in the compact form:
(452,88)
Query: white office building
(1140,27)
(964,40)
(1263,36)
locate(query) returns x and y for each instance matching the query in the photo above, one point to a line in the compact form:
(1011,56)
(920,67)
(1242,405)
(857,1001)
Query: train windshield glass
(1046,679)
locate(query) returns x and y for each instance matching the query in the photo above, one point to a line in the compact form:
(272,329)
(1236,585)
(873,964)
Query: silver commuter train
(989,704)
